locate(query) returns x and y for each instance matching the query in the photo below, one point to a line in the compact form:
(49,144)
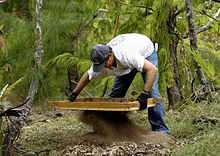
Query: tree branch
(218,1)
(194,45)
(14,111)
(203,13)
(203,28)
(205,4)
(3,90)
(76,35)
(207,26)
(116,25)
(30,153)
(178,12)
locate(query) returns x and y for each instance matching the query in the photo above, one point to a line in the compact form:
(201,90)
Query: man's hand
(72,97)
(143,100)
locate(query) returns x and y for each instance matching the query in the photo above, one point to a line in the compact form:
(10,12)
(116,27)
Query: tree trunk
(13,129)
(72,75)
(27,10)
(72,71)
(174,93)
(39,49)
(193,44)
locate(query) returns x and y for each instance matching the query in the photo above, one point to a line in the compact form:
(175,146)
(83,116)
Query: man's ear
(111,54)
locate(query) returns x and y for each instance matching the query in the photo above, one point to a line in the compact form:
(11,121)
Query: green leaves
(96,24)
(181,28)
(62,20)
(207,66)
(67,60)
(1,26)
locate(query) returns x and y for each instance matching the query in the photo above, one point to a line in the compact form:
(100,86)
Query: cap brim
(98,68)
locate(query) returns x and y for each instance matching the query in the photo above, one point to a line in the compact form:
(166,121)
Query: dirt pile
(116,126)
(116,148)
(115,134)
(111,126)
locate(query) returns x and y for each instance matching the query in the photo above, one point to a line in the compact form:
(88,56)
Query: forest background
(65,31)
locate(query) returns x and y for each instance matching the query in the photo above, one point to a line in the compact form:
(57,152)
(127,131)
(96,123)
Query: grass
(198,139)
(202,138)
(180,122)
(54,134)
(208,144)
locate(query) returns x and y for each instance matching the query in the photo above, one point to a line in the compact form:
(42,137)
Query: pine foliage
(64,20)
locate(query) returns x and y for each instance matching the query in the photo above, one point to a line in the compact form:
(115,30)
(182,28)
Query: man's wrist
(145,91)
(75,92)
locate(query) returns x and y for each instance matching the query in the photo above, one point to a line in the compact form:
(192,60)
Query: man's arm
(151,74)
(82,83)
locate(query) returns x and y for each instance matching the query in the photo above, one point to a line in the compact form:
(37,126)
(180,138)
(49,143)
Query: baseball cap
(98,56)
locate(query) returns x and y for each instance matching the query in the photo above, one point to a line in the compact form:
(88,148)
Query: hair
(110,49)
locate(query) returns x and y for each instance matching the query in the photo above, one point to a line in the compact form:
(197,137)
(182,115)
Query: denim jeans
(155,114)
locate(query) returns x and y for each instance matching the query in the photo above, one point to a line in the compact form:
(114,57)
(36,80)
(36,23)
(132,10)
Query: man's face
(109,62)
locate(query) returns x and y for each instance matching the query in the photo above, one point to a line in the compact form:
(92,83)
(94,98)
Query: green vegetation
(71,28)
(201,138)
(52,133)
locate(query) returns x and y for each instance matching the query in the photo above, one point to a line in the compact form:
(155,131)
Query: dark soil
(116,126)
(115,134)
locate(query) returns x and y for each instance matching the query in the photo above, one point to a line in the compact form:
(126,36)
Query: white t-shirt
(130,50)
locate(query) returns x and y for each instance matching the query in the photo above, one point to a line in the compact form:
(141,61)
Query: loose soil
(113,133)
(116,126)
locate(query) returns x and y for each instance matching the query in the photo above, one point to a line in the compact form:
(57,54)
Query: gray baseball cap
(98,56)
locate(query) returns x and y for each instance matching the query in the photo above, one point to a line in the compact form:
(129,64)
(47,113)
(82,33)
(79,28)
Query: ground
(194,130)
(91,133)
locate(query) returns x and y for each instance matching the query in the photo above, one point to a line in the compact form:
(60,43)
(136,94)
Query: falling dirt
(115,134)
(116,126)
(112,133)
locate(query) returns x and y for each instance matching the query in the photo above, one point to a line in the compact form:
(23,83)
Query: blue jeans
(155,114)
